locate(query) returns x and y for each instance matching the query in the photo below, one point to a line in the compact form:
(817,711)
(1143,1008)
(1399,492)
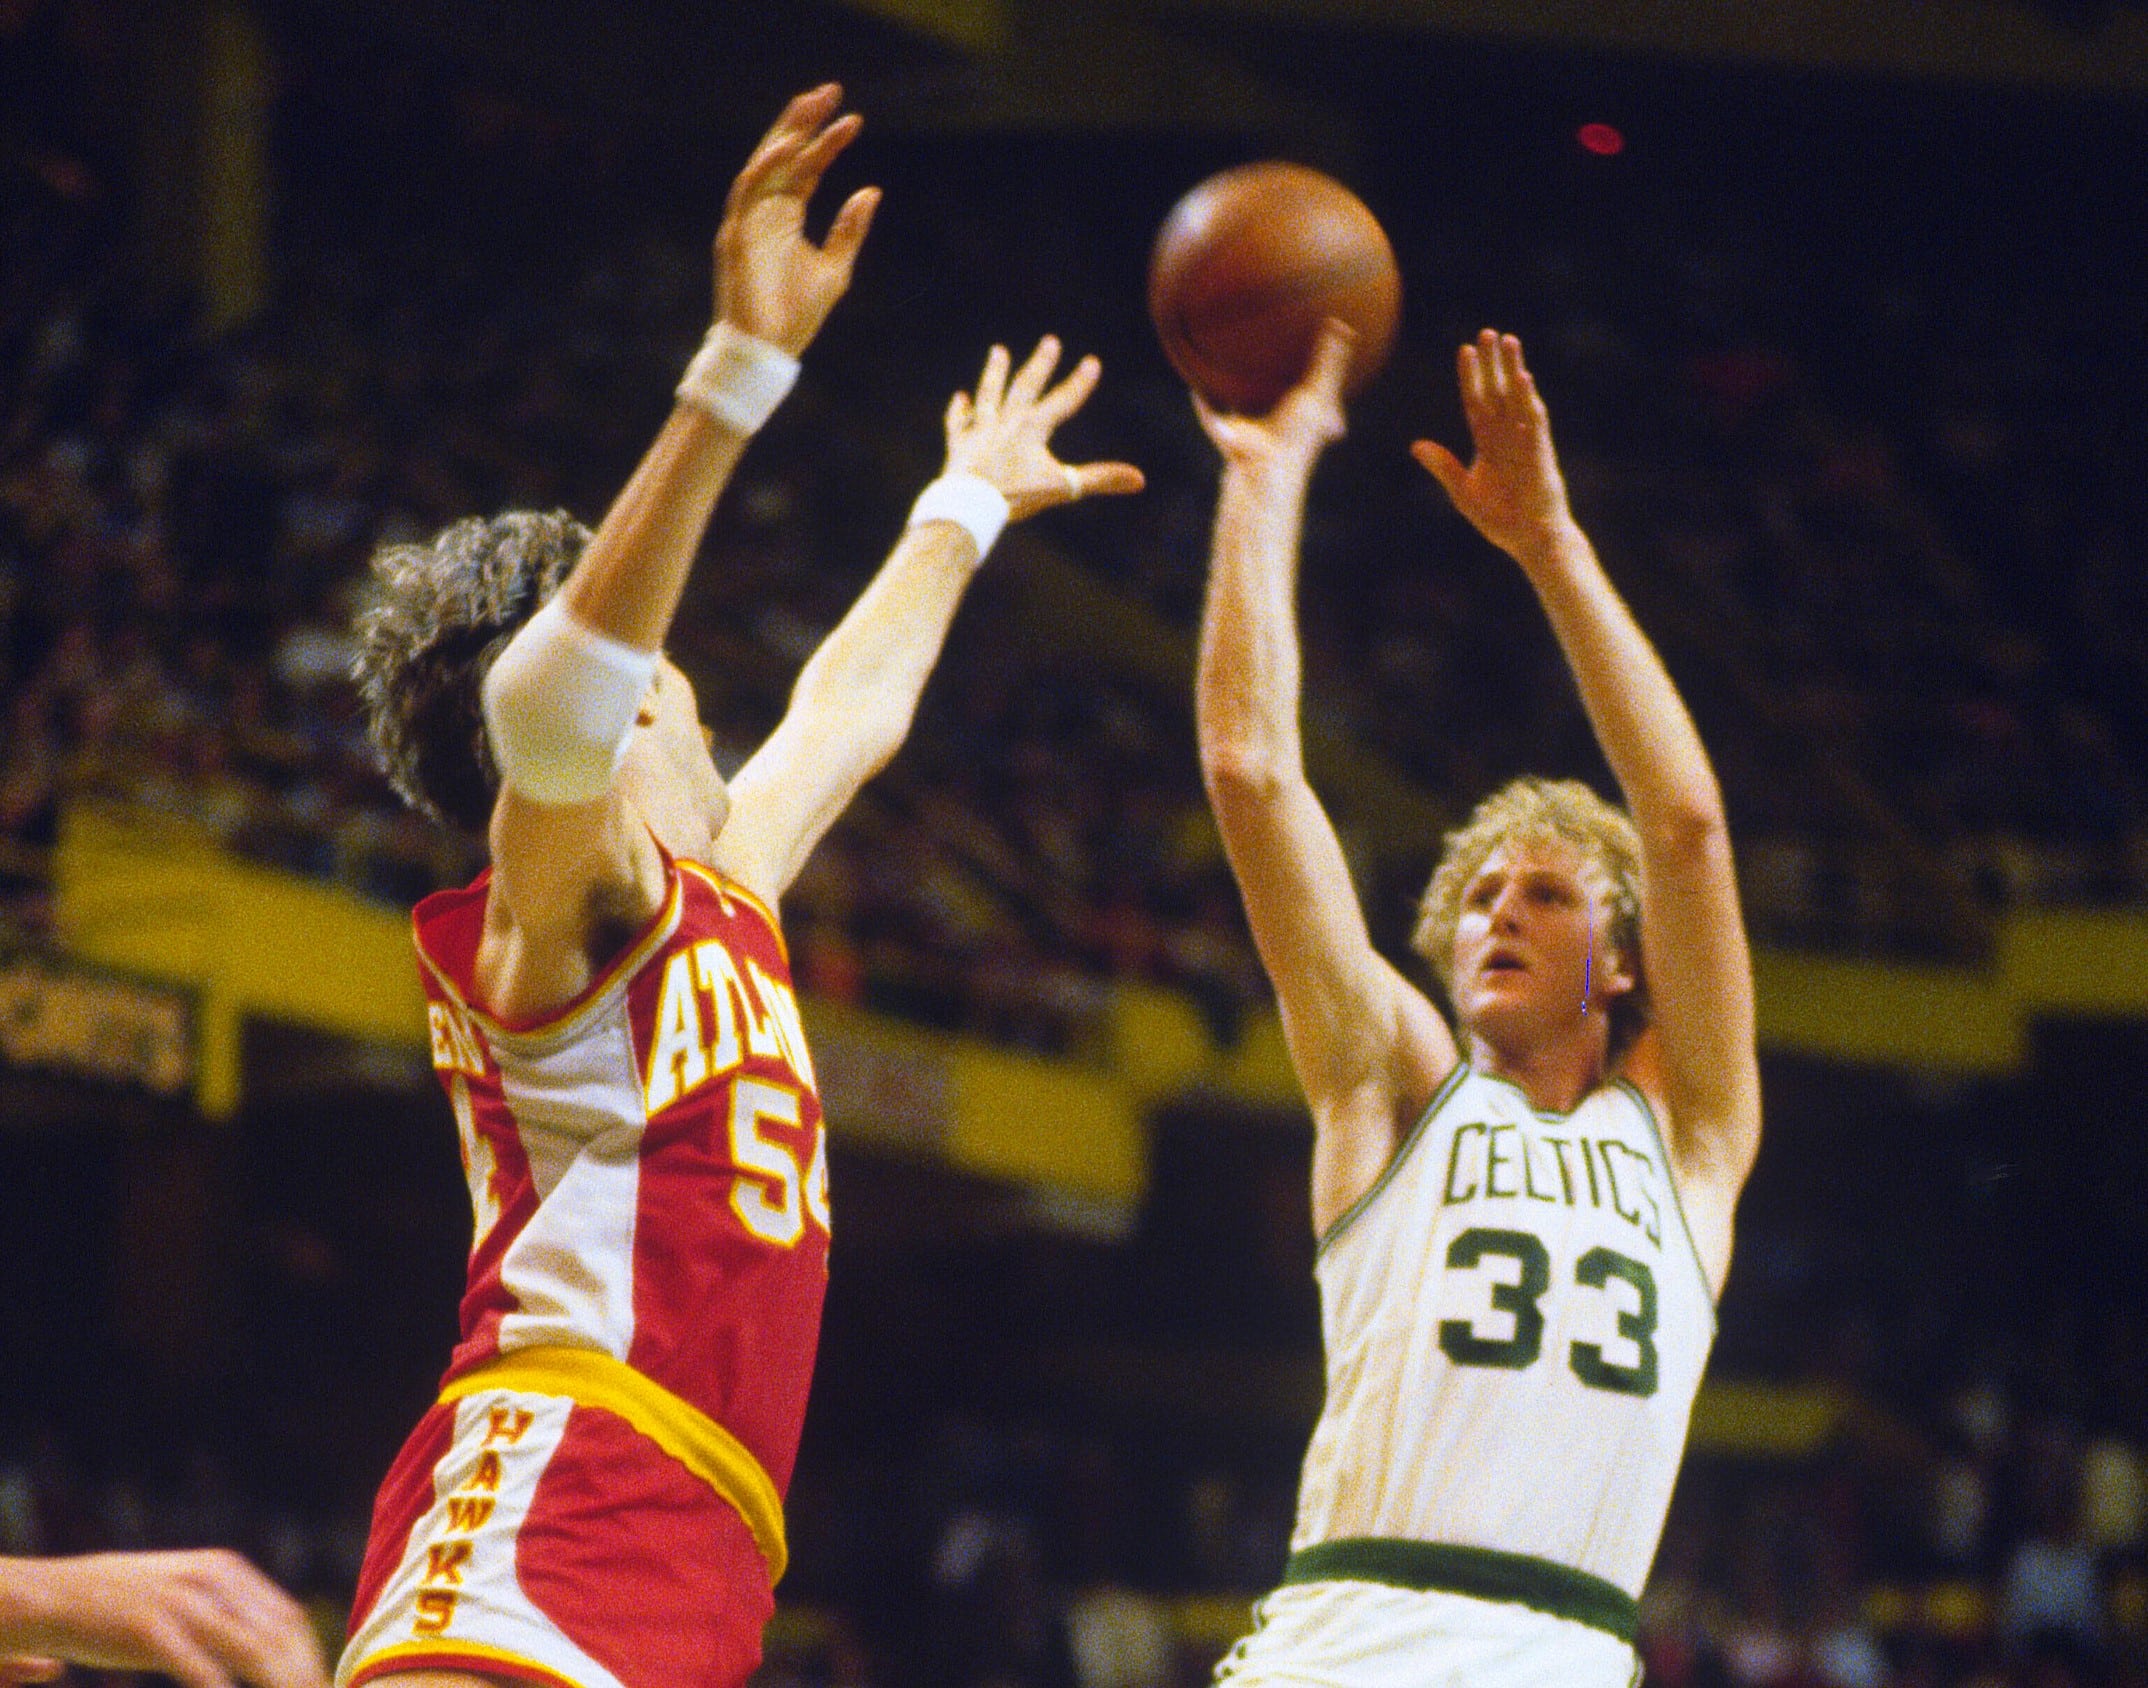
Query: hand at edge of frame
(205,1617)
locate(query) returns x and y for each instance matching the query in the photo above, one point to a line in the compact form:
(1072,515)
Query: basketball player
(596,1499)
(204,1618)
(1524,1217)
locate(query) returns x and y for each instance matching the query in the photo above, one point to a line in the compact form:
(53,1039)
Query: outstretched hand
(1513,493)
(205,1618)
(1002,433)
(1305,420)
(771,281)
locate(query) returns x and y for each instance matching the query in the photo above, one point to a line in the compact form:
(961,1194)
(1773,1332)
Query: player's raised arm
(856,696)
(1694,953)
(206,1619)
(568,690)
(1368,1047)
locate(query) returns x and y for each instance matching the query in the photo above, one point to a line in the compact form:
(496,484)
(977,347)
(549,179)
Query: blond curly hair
(1531,809)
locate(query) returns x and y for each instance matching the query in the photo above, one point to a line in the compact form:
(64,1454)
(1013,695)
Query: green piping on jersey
(1670,1174)
(1550,1116)
(1482,1573)
(1447,1088)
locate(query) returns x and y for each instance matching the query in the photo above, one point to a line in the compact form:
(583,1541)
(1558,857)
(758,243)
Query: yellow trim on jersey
(447,1654)
(572,1019)
(592,1379)
(725,886)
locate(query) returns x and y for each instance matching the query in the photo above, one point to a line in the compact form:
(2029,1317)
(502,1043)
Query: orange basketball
(1247,265)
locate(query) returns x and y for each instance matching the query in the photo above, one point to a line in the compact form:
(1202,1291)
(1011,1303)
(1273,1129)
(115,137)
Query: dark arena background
(1839,308)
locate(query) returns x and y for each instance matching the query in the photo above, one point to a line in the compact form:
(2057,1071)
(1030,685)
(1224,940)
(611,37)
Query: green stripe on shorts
(1480,1572)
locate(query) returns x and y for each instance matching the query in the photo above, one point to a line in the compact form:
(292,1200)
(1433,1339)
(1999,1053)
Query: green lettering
(1653,1230)
(1454,1163)
(1566,1178)
(1586,1360)
(1618,1196)
(1528,1173)
(1618,1200)
(1494,1160)
(1458,1338)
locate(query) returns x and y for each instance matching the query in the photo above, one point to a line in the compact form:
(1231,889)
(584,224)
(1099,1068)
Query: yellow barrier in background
(155,898)
(159,900)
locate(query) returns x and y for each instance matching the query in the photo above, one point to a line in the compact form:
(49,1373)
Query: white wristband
(971,502)
(737,378)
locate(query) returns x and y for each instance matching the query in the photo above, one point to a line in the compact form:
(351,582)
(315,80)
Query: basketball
(1248,264)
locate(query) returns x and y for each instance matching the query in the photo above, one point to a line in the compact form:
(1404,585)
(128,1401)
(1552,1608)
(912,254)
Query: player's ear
(1617,969)
(1621,975)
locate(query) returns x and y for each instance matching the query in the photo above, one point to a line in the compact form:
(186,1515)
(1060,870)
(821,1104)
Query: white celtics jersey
(1516,1322)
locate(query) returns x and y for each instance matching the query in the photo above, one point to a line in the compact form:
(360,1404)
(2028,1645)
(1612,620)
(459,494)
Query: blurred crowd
(1985,1522)
(1874,514)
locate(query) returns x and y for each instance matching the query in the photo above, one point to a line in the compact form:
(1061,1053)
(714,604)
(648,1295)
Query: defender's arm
(858,693)
(570,688)
(206,1618)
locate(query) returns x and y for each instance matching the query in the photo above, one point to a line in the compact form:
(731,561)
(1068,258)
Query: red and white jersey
(648,1168)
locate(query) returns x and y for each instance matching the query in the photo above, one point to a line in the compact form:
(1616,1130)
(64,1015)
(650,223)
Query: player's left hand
(1513,493)
(1003,432)
(771,281)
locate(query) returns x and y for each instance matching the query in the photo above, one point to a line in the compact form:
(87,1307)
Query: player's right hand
(772,282)
(205,1618)
(1305,420)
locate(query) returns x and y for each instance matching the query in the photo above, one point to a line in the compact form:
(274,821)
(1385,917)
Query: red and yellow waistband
(592,1379)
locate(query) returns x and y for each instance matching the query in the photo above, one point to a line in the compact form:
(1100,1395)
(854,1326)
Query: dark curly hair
(442,614)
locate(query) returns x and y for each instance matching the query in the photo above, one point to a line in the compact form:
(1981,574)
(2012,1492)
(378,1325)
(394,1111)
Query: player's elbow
(559,706)
(544,765)
(1692,827)
(1240,773)
(874,752)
